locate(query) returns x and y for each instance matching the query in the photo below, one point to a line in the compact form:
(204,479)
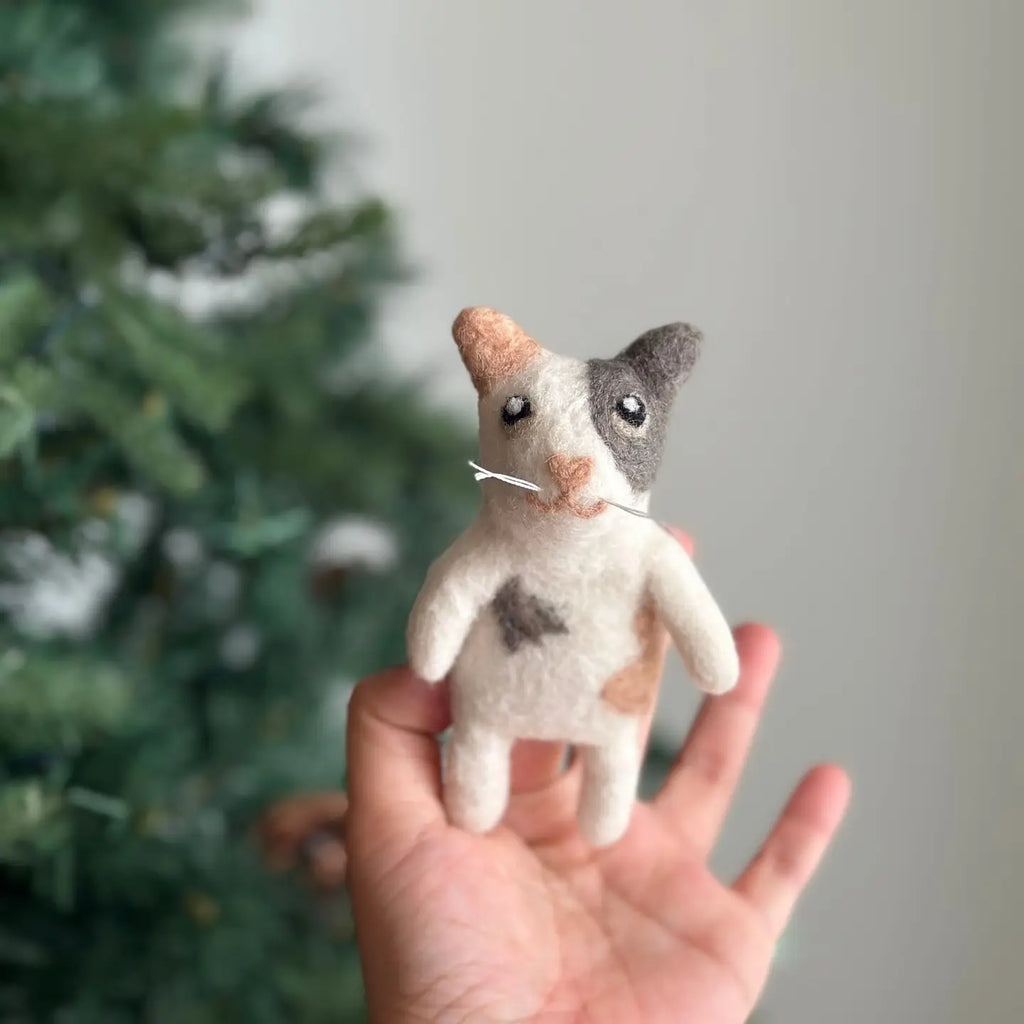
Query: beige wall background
(832,192)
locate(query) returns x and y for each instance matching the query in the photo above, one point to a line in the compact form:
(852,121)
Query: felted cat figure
(551,614)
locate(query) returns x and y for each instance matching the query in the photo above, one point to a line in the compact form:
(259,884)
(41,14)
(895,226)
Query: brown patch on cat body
(492,345)
(632,690)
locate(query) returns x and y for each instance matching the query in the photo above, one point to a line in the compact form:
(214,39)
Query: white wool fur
(595,572)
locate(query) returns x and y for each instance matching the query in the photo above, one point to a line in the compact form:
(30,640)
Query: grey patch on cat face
(523,618)
(652,368)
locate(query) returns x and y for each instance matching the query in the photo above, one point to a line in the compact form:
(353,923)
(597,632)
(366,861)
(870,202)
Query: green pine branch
(58,701)
(199,459)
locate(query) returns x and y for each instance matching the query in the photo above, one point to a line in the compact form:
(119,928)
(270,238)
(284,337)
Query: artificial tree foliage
(192,414)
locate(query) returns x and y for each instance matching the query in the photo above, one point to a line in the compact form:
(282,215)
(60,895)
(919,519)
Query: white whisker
(486,474)
(625,508)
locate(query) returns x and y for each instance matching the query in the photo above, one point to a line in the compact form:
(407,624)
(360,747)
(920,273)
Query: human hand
(528,922)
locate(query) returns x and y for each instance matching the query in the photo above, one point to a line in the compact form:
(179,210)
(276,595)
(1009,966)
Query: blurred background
(830,191)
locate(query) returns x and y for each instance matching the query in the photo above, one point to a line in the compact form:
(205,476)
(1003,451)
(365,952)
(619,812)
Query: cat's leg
(476,777)
(611,773)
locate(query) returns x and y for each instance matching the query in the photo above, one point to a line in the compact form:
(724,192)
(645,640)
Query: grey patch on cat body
(652,368)
(523,618)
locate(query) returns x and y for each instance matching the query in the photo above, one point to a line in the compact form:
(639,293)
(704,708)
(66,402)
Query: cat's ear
(663,357)
(493,346)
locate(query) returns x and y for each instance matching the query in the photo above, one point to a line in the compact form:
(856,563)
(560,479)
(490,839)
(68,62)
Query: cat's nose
(571,472)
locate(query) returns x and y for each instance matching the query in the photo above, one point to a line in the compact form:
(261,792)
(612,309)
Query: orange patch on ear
(493,346)
(632,691)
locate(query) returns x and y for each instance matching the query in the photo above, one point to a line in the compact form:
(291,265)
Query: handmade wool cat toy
(550,612)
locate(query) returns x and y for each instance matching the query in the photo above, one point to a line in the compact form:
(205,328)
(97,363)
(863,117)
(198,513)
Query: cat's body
(552,612)
(541,652)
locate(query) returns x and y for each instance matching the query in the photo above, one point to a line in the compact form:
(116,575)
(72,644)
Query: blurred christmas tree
(215,512)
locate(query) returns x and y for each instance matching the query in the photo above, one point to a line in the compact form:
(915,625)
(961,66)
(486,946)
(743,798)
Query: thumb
(394,768)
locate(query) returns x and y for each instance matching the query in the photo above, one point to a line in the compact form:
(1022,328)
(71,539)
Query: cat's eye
(516,409)
(631,408)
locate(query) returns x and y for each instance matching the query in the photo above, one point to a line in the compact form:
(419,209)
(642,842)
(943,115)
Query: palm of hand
(641,932)
(530,923)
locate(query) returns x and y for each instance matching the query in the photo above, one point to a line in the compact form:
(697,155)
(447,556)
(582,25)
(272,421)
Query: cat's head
(582,431)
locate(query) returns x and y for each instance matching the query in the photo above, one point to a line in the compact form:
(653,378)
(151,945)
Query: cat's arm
(457,586)
(691,615)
